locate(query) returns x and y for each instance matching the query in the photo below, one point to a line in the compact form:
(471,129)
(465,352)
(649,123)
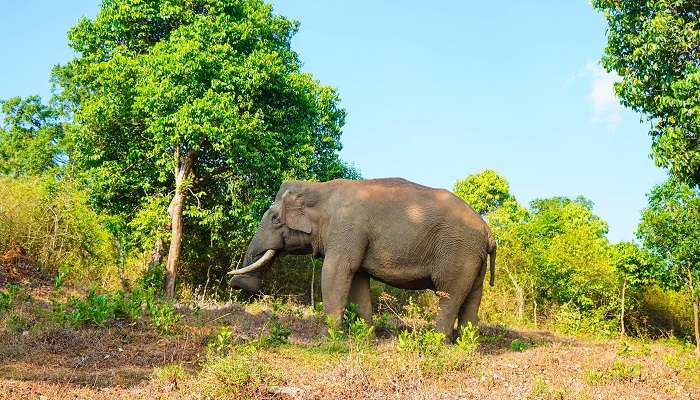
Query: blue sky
(435,93)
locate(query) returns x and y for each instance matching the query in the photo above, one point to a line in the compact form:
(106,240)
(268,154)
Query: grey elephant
(398,232)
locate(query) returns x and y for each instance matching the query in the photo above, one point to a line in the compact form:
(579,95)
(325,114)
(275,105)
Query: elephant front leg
(336,279)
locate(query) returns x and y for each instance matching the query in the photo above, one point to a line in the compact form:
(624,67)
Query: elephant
(398,232)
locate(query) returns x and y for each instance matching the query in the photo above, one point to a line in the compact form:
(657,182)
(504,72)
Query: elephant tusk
(266,258)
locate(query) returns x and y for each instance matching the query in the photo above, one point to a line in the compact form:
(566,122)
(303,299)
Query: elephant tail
(492,258)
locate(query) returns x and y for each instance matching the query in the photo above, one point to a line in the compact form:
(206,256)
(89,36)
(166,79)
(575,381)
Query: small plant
(624,371)
(618,371)
(171,372)
(164,317)
(279,333)
(519,345)
(426,342)
(624,349)
(468,339)
(17,323)
(8,296)
(220,340)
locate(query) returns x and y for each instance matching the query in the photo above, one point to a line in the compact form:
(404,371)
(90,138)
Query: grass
(247,351)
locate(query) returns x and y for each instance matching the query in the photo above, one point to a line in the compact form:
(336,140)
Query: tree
(670,228)
(634,267)
(654,45)
(567,253)
(201,100)
(484,191)
(29,137)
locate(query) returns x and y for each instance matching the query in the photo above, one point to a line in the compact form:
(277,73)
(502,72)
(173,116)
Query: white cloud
(606,107)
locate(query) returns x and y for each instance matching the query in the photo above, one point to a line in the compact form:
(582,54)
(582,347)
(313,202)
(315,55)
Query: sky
(436,92)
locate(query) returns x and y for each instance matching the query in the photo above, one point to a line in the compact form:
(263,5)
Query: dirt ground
(133,361)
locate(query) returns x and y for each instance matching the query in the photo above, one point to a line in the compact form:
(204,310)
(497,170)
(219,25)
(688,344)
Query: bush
(425,342)
(468,339)
(570,320)
(8,296)
(53,223)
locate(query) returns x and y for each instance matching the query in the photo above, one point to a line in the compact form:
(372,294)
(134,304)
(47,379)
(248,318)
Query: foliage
(633,264)
(30,137)
(484,191)
(425,342)
(354,328)
(51,222)
(202,102)
(670,228)
(219,340)
(234,374)
(468,338)
(278,332)
(519,345)
(653,46)
(8,296)
(571,320)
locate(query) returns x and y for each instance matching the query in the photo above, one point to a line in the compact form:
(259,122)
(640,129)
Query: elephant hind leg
(456,291)
(360,295)
(470,308)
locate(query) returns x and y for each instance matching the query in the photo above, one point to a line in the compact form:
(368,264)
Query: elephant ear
(295,206)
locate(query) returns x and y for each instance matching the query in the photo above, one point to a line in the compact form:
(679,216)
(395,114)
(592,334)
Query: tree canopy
(670,228)
(29,137)
(654,45)
(203,100)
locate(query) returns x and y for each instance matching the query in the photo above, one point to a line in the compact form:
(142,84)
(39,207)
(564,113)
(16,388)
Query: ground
(134,360)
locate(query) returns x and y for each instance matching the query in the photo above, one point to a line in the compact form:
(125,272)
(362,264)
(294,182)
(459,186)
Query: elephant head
(286,227)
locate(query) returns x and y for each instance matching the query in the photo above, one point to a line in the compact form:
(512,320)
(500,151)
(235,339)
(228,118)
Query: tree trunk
(622,310)
(157,255)
(697,328)
(520,293)
(183,168)
(534,312)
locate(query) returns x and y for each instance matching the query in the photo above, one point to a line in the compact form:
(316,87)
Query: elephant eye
(275,220)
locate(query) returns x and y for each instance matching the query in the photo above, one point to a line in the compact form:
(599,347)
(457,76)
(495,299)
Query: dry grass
(133,361)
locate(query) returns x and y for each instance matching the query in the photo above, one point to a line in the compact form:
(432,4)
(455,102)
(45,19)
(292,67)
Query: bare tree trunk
(622,310)
(183,168)
(534,312)
(157,255)
(696,323)
(697,328)
(520,293)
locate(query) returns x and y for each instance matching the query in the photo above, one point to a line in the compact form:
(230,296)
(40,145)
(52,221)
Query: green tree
(194,100)
(634,268)
(653,45)
(566,252)
(484,191)
(670,228)
(29,137)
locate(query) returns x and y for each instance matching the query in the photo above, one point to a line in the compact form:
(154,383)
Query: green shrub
(17,323)
(424,342)
(519,345)
(164,317)
(468,339)
(279,333)
(220,340)
(53,222)
(8,296)
(570,320)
